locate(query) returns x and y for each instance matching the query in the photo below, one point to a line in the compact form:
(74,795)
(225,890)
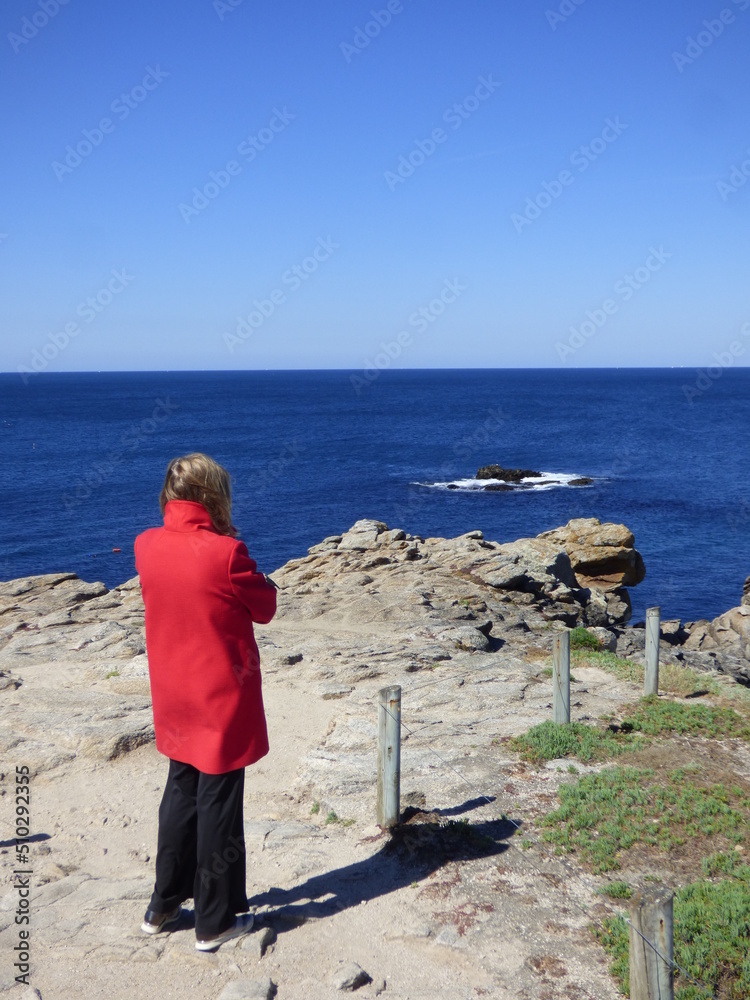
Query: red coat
(202,594)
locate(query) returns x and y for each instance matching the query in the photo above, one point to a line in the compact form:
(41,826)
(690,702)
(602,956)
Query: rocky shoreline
(465,626)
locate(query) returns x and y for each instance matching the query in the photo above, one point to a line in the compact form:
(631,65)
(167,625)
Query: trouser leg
(219,890)
(176,853)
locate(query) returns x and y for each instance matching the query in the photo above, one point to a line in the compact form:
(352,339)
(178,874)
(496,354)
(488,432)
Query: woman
(202,593)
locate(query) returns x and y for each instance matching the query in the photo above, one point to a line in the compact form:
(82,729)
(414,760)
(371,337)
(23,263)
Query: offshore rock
(507,475)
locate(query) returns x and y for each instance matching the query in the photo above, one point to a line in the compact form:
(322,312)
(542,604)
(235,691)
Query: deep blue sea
(84,455)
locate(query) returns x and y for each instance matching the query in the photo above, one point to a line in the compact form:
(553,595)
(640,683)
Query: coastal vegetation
(711,921)
(657,823)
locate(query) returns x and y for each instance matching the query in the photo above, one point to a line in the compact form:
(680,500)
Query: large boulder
(585,563)
(726,639)
(530,565)
(602,555)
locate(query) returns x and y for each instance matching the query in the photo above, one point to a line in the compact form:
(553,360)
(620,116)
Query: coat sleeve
(251,587)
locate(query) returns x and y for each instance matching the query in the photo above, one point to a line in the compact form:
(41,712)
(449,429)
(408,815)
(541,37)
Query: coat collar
(186,515)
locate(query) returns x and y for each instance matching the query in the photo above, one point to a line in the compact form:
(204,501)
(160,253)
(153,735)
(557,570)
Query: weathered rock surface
(726,639)
(350,977)
(465,626)
(249,989)
(576,573)
(601,555)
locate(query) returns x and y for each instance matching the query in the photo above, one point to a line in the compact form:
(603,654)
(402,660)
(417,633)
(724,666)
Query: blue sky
(250,184)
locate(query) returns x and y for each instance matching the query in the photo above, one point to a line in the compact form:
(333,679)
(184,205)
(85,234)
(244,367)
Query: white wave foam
(544,481)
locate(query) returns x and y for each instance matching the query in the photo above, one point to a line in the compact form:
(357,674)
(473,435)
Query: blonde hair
(199,478)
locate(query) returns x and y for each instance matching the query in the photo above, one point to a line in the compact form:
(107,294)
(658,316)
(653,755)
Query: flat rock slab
(249,989)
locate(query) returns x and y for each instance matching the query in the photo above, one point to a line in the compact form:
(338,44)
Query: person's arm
(251,587)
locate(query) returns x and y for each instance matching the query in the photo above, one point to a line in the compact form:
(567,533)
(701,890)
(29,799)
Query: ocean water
(83,458)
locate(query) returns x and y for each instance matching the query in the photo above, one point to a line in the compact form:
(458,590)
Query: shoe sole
(238,930)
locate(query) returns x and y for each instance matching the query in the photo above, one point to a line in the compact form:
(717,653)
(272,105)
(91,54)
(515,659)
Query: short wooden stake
(651,677)
(651,974)
(389,756)
(561,677)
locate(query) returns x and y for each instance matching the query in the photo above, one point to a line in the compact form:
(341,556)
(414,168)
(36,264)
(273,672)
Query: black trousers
(201,847)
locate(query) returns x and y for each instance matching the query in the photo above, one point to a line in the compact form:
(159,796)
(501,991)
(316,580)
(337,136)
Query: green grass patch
(552,740)
(612,934)
(616,890)
(604,814)
(711,935)
(727,864)
(581,638)
(654,717)
(332,818)
(673,679)
(315,808)
(112,673)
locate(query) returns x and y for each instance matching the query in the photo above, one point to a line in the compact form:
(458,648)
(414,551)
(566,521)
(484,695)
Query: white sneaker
(243,924)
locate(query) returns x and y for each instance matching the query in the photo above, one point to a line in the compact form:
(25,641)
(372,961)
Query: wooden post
(561,677)
(389,755)
(651,677)
(651,974)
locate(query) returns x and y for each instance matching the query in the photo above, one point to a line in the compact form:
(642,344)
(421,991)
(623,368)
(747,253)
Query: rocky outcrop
(364,608)
(500,479)
(92,641)
(507,475)
(602,555)
(726,637)
(537,570)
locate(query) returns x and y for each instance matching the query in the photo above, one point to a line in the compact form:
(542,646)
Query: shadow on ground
(420,845)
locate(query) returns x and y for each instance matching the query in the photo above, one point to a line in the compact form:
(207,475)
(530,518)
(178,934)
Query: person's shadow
(420,845)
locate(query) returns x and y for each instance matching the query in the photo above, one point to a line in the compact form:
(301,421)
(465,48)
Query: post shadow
(420,845)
